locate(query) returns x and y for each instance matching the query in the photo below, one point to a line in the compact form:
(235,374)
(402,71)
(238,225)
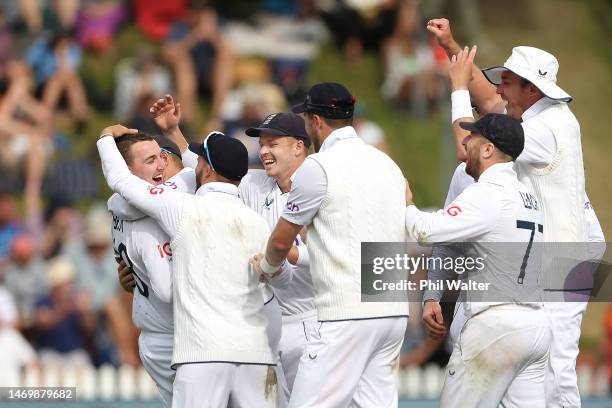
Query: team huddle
(247,283)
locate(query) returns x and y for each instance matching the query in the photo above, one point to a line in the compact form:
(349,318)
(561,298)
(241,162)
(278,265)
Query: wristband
(267,268)
(105,134)
(461,106)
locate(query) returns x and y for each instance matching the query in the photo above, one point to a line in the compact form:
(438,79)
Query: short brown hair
(334,123)
(124,144)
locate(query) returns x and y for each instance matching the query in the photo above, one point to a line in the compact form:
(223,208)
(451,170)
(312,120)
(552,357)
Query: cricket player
(432,312)
(551,165)
(145,249)
(346,193)
(500,358)
(221,352)
(284,146)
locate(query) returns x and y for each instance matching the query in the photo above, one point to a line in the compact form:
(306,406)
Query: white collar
(217,187)
(499,173)
(345,132)
(537,107)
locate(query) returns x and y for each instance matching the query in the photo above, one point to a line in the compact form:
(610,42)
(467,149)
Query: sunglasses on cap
(207,152)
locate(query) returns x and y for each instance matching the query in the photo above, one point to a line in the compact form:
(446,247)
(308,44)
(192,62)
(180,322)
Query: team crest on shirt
(268,202)
(156,190)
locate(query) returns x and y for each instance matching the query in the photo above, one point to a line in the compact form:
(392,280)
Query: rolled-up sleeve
(308,190)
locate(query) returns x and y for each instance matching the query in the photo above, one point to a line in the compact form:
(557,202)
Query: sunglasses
(166,151)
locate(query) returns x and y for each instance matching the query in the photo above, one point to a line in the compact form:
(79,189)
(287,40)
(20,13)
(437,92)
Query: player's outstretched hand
(432,317)
(166,113)
(118,131)
(440,28)
(126,277)
(460,70)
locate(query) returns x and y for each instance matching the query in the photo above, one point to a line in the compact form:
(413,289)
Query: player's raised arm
(162,204)
(167,115)
(482,91)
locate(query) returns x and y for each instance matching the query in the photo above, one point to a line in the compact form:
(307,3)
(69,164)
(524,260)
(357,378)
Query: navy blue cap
(328,99)
(282,124)
(226,155)
(503,131)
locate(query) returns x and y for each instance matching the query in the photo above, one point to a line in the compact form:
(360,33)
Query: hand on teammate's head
(118,131)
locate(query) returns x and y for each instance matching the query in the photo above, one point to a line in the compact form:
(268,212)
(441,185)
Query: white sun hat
(535,65)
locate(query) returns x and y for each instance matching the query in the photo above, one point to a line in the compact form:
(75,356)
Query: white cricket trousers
(297,329)
(500,357)
(274,330)
(155,351)
(561,380)
(224,385)
(350,363)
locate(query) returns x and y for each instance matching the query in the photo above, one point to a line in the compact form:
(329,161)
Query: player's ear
(487,150)
(299,147)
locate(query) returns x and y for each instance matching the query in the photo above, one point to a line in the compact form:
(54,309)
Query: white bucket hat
(535,65)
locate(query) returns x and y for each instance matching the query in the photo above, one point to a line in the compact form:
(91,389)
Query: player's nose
(500,89)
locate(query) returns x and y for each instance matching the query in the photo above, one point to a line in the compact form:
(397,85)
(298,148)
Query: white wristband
(267,268)
(105,134)
(461,106)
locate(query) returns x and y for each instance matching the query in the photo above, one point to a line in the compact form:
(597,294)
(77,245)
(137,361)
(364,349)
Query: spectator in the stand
(154,18)
(369,131)
(10,226)
(16,351)
(97,22)
(201,60)
(64,318)
(25,278)
(39,14)
(55,62)
(139,78)
(24,127)
(7,41)
(413,76)
(62,225)
(254,101)
(94,260)
(359,24)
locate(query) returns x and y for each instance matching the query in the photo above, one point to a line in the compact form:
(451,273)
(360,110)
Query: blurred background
(69,68)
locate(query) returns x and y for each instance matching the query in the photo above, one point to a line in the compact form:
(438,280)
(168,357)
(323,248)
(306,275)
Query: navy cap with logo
(282,124)
(167,145)
(225,155)
(503,131)
(328,99)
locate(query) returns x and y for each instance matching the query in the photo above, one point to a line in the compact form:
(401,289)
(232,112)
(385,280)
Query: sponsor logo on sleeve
(156,190)
(292,207)
(171,184)
(453,210)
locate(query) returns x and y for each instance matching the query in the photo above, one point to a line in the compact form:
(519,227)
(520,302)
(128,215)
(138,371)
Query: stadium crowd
(58,272)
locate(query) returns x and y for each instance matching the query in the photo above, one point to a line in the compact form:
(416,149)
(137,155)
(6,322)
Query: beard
(472,166)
